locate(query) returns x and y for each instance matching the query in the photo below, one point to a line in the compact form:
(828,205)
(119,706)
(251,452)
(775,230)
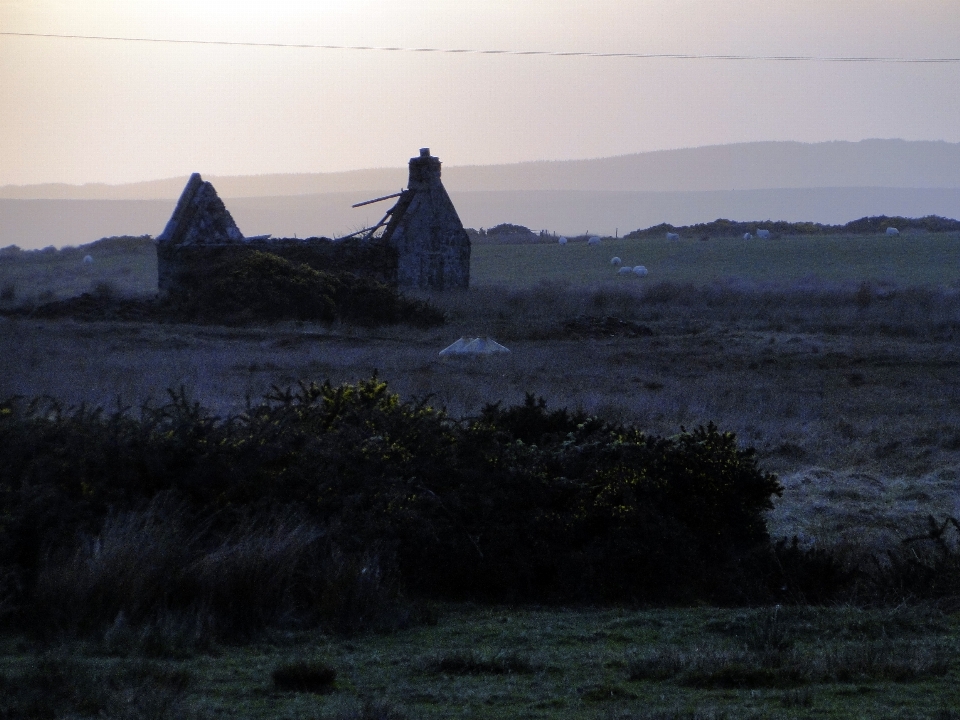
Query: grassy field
(835,357)
(503,662)
(907,260)
(919,259)
(41,276)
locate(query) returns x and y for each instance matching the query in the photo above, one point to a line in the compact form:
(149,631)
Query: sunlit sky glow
(93,111)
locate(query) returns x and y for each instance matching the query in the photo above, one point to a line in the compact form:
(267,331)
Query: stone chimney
(424,170)
(433,249)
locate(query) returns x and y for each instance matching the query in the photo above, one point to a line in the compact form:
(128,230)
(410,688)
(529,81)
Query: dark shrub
(318,505)
(311,676)
(262,286)
(270,287)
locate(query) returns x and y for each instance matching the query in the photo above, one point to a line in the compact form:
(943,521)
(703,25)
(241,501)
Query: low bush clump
(327,505)
(313,676)
(263,286)
(520,503)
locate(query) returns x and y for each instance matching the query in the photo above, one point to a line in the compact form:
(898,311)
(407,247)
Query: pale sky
(81,111)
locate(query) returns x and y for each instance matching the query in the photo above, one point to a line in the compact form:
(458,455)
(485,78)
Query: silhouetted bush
(519,503)
(262,286)
(326,505)
(313,676)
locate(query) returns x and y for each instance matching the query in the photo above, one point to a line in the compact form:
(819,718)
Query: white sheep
(626,270)
(747,236)
(673,236)
(640,271)
(562,240)
(764,234)
(88,260)
(595,240)
(892,231)
(616,262)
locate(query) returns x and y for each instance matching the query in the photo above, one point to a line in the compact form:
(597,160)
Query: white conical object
(474,346)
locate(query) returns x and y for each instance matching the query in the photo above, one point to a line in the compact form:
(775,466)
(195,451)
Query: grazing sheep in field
(562,240)
(87,260)
(625,271)
(892,231)
(673,236)
(595,240)
(616,262)
(747,236)
(764,234)
(640,271)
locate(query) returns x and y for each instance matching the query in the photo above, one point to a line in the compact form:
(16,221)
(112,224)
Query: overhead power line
(477,51)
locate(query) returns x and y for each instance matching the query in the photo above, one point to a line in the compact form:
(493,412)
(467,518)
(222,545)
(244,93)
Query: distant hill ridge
(744,166)
(863,226)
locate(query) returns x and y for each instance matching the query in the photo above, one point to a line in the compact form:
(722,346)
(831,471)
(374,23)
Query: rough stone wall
(200,217)
(201,238)
(182,267)
(424,244)
(433,249)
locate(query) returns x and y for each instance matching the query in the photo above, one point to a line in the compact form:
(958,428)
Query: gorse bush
(263,286)
(271,287)
(327,504)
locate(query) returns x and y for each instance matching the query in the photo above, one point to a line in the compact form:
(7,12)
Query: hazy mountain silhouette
(745,166)
(826,182)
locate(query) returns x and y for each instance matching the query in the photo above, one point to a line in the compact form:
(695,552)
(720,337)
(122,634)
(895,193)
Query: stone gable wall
(424,245)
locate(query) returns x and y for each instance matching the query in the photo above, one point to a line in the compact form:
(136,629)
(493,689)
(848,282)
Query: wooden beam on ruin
(376,200)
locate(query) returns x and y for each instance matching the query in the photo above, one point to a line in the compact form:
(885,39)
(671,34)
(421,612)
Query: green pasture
(41,276)
(908,260)
(490,663)
(929,259)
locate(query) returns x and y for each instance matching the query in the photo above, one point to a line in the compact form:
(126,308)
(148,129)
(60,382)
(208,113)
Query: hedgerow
(329,504)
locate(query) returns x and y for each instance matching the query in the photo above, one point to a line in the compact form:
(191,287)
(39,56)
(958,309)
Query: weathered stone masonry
(424,245)
(433,249)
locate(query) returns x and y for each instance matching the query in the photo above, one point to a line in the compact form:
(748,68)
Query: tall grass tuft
(163,582)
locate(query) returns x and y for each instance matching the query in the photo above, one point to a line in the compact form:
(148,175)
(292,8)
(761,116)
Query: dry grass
(847,388)
(862,423)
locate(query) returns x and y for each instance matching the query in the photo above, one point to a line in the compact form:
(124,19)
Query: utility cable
(476,51)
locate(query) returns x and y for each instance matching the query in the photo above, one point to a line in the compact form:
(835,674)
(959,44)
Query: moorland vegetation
(179,558)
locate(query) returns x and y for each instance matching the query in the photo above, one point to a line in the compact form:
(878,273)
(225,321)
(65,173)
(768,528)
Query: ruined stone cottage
(433,249)
(419,244)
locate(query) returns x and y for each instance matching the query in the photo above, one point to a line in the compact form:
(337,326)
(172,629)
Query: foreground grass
(532,663)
